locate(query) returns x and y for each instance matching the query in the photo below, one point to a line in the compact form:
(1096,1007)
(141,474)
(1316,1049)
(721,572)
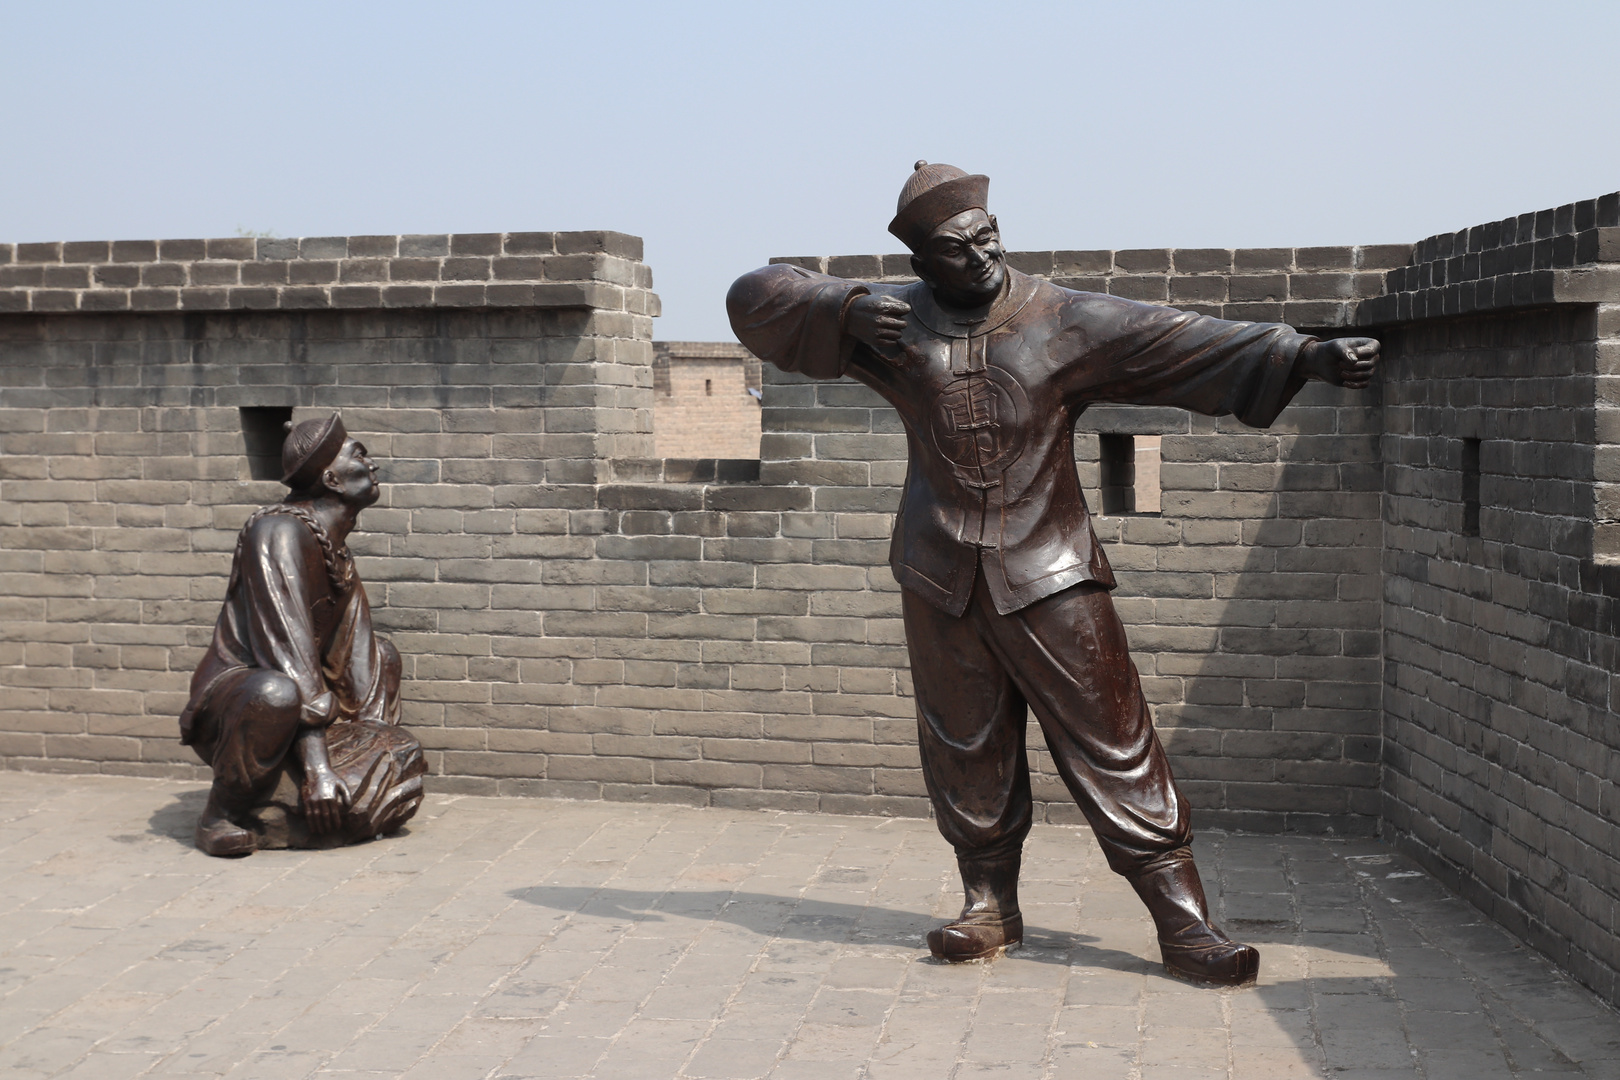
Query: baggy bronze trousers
(1066,658)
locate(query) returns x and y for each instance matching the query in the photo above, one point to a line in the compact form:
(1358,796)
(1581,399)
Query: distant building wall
(706,400)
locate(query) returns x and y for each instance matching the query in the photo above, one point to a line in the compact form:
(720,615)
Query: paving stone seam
(1313,1008)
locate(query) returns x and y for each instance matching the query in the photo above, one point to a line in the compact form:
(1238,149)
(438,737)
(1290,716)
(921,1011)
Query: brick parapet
(1606,431)
(1551,256)
(1502,634)
(1566,255)
(588,270)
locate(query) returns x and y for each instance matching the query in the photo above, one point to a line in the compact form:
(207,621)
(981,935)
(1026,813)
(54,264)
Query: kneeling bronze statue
(295,706)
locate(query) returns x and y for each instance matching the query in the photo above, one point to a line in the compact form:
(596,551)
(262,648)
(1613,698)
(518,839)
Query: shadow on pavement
(178,820)
(807,920)
(1375,973)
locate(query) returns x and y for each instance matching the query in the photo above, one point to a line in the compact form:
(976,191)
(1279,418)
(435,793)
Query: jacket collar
(971,322)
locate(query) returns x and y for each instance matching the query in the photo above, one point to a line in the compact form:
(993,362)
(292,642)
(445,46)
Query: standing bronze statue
(295,705)
(1005,589)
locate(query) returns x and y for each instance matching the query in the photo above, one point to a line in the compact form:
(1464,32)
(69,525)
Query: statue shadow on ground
(1361,1022)
(177,821)
(808,920)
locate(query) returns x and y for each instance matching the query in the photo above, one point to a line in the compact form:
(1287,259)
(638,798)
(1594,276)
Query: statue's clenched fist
(876,320)
(1348,362)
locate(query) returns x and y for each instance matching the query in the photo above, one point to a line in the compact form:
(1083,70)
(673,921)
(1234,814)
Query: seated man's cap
(935,193)
(310,448)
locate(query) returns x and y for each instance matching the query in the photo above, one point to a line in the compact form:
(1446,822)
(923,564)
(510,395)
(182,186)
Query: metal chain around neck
(339,563)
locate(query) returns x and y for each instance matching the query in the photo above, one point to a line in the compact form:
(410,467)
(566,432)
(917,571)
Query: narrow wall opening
(1470,487)
(1116,458)
(264,429)
(1129,468)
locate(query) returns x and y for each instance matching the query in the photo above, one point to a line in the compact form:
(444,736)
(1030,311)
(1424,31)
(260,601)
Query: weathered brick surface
(548,576)
(1550,256)
(601,270)
(1252,597)
(123,482)
(581,616)
(1500,747)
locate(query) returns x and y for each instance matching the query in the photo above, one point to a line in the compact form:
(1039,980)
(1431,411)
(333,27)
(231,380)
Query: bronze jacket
(282,612)
(989,399)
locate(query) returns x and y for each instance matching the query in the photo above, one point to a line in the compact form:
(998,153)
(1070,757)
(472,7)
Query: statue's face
(962,261)
(352,476)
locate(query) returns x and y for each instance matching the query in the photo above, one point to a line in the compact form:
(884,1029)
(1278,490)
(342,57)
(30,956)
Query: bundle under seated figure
(295,705)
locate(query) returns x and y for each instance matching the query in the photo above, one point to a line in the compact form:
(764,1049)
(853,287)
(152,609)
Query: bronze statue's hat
(935,193)
(311,447)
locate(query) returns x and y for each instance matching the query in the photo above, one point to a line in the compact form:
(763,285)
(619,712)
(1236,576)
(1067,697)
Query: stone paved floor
(527,938)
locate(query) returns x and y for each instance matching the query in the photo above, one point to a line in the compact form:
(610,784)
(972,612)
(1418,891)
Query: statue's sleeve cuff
(1278,379)
(843,312)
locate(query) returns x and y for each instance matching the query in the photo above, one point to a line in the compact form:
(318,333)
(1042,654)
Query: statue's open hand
(1348,362)
(324,799)
(877,320)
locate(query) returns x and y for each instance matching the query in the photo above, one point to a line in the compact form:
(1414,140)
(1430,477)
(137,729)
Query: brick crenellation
(600,270)
(1531,260)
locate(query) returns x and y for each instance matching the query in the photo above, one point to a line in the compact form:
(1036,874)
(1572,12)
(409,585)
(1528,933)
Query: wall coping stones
(598,269)
(1547,257)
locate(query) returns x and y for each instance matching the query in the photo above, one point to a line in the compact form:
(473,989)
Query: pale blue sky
(728,133)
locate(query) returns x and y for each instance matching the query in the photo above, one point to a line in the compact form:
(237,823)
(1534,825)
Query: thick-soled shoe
(975,939)
(990,921)
(1192,946)
(1218,963)
(223,837)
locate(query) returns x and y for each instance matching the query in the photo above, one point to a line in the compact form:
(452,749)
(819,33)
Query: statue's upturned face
(962,261)
(352,476)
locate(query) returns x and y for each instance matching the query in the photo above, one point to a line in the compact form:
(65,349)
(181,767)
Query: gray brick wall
(600,270)
(124,479)
(1501,749)
(1502,628)
(580,618)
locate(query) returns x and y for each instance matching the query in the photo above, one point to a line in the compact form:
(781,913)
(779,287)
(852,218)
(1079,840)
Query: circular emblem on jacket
(977,425)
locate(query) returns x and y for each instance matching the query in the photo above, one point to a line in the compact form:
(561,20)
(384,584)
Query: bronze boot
(217,834)
(990,920)
(1193,948)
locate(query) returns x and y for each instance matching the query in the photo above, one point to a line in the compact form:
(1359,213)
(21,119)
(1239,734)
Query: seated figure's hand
(877,320)
(1348,362)
(324,799)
